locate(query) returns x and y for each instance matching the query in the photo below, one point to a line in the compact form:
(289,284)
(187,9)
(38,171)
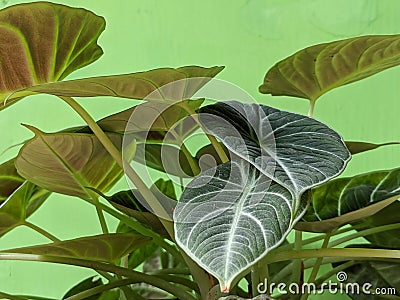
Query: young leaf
(67,163)
(346,200)
(21,204)
(84,285)
(315,70)
(358,147)
(230,216)
(44,42)
(104,247)
(389,215)
(143,85)
(293,150)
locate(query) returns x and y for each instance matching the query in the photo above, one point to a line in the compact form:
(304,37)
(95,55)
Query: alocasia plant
(271,172)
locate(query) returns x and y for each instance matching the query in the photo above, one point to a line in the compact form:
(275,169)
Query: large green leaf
(20,204)
(104,247)
(143,85)
(230,216)
(358,147)
(346,200)
(388,215)
(293,150)
(67,163)
(315,70)
(44,42)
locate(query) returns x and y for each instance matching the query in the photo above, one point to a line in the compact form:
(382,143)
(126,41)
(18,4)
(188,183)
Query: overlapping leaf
(67,163)
(44,42)
(346,200)
(315,70)
(294,150)
(230,216)
(150,85)
(10,180)
(104,247)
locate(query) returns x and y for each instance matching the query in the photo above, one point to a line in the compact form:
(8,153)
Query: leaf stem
(41,231)
(297,269)
(311,108)
(364,233)
(100,289)
(317,264)
(334,271)
(95,265)
(115,153)
(334,252)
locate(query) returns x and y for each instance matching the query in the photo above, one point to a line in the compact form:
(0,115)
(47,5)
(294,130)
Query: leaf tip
(35,130)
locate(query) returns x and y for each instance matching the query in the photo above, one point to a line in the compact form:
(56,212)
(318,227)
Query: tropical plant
(218,228)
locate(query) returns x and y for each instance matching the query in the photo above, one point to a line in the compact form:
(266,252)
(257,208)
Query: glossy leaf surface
(332,202)
(294,150)
(315,70)
(229,217)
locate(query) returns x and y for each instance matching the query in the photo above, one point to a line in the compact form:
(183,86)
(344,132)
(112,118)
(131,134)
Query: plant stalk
(95,265)
(41,231)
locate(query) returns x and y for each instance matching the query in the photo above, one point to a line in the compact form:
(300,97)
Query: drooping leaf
(358,147)
(67,163)
(104,247)
(346,200)
(20,204)
(44,42)
(230,216)
(293,150)
(315,70)
(386,216)
(372,275)
(142,85)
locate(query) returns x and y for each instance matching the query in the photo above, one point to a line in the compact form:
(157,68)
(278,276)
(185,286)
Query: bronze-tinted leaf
(315,70)
(67,163)
(358,147)
(44,42)
(150,116)
(104,247)
(143,85)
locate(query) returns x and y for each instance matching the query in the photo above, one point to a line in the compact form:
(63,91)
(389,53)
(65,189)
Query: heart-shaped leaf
(358,147)
(21,204)
(294,150)
(104,247)
(315,70)
(67,163)
(389,215)
(230,216)
(150,85)
(44,42)
(346,200)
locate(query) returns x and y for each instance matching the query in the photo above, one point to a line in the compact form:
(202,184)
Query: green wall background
(248,37)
